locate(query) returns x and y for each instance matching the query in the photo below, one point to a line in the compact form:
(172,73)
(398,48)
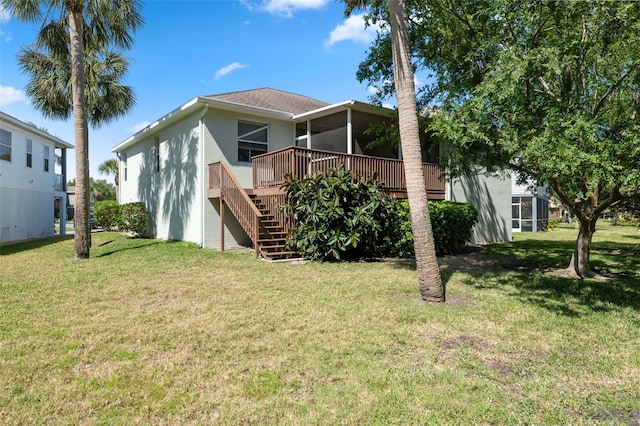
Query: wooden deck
(257,209)
(269,169)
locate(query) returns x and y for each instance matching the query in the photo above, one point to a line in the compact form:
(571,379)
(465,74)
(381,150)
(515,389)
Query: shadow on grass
(531,271)
(125,245)
(13,248)
(564,296)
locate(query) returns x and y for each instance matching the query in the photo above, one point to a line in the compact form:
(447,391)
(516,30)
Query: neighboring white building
(32,181)
(529,206)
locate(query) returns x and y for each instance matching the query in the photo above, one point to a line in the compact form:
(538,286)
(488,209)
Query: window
(124,162)
(5,145)
(46,158)
(252,139)
(157,153)
(29,153)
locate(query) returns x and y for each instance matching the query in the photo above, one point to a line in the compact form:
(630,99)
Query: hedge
(131,217)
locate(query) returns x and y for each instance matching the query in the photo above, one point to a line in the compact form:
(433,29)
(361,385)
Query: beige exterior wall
(173,193)
(176,196)
(221,135)
(492,197)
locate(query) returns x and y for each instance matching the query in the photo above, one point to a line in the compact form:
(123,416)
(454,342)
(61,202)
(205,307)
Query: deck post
(221,209)
(221,223)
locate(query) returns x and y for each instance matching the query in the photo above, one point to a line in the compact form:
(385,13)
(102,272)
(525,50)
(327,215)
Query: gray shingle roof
(273,99)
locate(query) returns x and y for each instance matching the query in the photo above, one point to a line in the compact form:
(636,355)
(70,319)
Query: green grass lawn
(151,332)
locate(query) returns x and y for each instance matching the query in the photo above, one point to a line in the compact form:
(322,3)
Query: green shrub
(133,218)
(451,222)
(338,216)
(452,225)
(106,213)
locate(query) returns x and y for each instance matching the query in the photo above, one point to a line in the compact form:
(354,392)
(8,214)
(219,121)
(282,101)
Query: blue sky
(193,48)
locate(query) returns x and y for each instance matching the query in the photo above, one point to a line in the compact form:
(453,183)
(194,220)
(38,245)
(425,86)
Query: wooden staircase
(260,220)
(272,237)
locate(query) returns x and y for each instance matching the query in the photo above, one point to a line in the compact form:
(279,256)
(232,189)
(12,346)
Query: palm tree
(110,167)
(429,280)
(107,23)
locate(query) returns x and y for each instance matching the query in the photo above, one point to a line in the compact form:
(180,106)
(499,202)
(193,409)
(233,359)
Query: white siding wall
(26,194)
(492,197)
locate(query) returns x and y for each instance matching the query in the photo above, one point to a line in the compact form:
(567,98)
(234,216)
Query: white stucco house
(210,171)
(32,181)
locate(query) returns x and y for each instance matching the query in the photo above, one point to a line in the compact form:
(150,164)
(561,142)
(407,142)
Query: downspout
(448,190)
(118,192)
(205,185)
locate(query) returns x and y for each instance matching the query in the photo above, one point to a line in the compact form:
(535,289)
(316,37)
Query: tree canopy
(549,89)
(48,62)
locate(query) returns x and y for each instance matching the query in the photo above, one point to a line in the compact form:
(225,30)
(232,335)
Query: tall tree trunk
(429,280)
(579,266)
(82,226)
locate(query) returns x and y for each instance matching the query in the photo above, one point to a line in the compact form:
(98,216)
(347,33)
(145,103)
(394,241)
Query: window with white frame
(46,158)
(252,139)
(29,153)
(5,145)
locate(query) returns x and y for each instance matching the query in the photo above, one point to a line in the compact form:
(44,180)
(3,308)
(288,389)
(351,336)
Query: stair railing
(234,195)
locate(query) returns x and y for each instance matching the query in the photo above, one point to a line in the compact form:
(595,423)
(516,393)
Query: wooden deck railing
(234,195)
(269,169)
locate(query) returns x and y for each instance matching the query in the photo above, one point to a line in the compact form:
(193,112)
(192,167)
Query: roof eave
(57,142)
(191,106)
(159,124)
(343,106)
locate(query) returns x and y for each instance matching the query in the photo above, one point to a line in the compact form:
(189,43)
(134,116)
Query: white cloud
(352,29)
(229,68)
(287,7)
(139,126)
(9,95)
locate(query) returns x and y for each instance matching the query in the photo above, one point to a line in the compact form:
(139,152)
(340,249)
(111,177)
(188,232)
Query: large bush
(452,225)
(106,214)
(338,216)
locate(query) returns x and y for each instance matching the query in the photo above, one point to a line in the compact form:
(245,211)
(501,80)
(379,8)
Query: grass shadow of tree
(529,270)
(131,244)
(16,247)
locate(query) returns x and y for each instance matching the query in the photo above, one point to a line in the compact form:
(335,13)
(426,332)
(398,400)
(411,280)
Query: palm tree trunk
(429,280)
(82,226)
